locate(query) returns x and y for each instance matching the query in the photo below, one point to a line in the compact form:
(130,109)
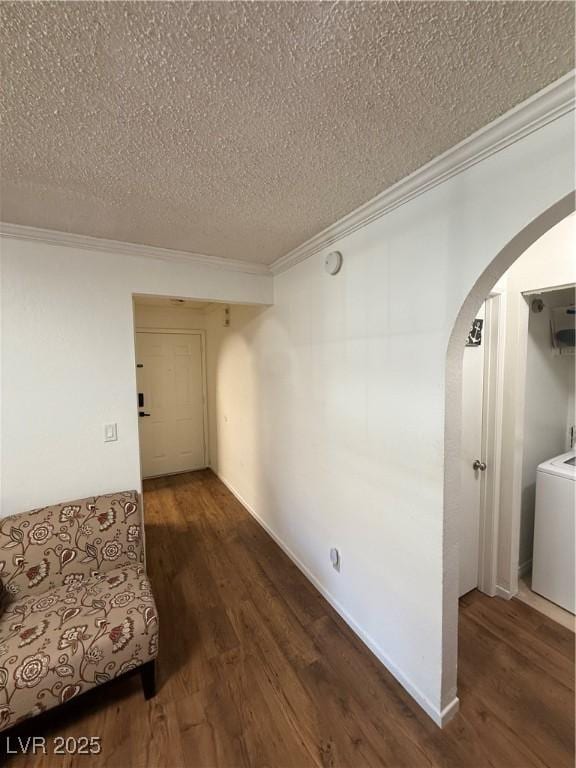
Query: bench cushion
(59,644)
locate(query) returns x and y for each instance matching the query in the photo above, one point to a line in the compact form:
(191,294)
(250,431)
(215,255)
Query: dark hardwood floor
(256,669)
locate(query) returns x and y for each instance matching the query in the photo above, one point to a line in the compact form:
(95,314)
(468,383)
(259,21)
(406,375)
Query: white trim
(547,105)
(549,289)
(179,472)
(505,594)
(449,712)
(72,240)
(440,717)
(492,406)
(203,373)
(511,557)
(170,330)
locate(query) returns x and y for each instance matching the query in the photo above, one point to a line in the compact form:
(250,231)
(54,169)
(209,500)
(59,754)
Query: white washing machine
(554,561)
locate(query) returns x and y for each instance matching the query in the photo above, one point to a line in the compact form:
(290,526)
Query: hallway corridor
(256,669)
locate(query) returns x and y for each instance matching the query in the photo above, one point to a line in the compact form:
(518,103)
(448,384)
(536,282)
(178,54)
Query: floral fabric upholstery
(39,549)
(78,609)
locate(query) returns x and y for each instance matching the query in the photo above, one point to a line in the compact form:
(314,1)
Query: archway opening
(489,542)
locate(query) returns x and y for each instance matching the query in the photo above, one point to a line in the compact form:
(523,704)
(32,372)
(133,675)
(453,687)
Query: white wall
(330,404)
(68,363)
(548,263)
(234,392)
(331,414)
(181,317)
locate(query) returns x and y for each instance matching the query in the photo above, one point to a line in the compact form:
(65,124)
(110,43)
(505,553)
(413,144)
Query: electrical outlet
(335,559)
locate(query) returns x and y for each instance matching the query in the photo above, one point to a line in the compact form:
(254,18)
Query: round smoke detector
(333,263)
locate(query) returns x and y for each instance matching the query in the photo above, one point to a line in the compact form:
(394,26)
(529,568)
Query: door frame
(499,541)
(203,374)
(491,441)
(510,540)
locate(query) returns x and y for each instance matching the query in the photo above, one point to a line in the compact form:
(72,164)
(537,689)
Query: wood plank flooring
(256,669)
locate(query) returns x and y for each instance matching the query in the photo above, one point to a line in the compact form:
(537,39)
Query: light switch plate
(110,433)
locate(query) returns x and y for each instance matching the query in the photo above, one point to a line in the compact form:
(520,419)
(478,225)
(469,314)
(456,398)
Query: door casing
(492,404)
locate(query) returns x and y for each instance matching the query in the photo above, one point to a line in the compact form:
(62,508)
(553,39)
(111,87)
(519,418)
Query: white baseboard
(440,717)
(506,594)
(449,712)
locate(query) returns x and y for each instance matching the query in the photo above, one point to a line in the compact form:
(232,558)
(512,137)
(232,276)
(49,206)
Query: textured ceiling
(242,129)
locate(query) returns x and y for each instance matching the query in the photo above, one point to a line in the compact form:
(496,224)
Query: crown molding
(552,102)
(69,239)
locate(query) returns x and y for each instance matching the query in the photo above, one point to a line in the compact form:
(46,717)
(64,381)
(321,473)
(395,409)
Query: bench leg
(148,674)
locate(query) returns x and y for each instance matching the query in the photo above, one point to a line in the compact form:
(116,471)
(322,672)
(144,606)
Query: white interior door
(171,381)
(471,479)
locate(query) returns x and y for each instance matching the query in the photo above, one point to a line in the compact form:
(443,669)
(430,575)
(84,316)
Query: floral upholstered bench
(76,605)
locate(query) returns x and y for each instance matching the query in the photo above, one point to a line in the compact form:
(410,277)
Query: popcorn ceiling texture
(242,129)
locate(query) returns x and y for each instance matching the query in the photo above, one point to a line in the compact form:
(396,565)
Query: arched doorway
(453,430)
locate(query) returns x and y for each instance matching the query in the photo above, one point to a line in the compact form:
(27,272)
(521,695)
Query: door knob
(481,465)
(141,413)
